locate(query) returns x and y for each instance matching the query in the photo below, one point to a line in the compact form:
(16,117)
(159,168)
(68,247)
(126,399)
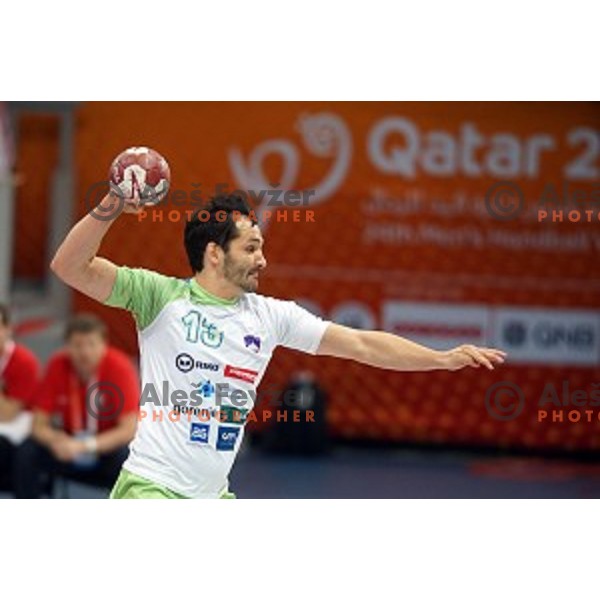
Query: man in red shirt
(19,372)
(85,413)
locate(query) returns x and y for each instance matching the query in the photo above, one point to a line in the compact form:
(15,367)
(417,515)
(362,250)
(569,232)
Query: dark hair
(85,323)
(5,314)
(215,222)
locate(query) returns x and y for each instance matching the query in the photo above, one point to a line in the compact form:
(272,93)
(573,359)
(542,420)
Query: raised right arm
(75,261)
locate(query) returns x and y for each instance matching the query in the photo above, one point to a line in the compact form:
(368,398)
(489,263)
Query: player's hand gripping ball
(140,176)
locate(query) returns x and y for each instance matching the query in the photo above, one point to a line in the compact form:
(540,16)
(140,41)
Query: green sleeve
(143,293)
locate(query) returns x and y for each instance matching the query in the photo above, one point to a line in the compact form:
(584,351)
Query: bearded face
(244,259)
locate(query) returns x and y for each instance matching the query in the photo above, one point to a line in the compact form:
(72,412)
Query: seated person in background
(19,372)
(85,413)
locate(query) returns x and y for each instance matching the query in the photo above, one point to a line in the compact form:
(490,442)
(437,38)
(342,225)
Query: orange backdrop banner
(427,221)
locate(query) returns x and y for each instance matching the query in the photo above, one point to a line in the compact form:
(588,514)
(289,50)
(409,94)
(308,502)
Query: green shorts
(130,487)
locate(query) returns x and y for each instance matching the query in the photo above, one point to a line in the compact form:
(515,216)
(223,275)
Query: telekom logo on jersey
(397,146)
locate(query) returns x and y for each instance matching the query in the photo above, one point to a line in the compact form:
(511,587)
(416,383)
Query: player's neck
(221,288)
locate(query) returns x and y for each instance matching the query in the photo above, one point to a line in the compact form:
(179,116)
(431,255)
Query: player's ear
(213,253)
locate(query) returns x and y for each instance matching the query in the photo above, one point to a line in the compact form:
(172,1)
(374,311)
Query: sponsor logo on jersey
(223,414)
(231,414)
(252,342)
(199,433)
(226,438)
(207,389)
(186,363)
(238,373)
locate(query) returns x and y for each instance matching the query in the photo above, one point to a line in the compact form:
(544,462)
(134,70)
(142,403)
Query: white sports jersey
(202,359)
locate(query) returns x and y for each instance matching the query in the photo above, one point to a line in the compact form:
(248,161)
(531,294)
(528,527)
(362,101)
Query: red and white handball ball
(140,174)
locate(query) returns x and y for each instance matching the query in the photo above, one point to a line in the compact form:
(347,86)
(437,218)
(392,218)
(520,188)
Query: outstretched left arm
(388,351)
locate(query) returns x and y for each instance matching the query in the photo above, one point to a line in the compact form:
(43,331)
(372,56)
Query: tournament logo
(226,438)
(199,433)
(252,342)
(242,374)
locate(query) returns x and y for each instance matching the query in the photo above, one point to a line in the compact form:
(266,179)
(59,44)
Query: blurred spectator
(85,413)
(300,426)
(19,372)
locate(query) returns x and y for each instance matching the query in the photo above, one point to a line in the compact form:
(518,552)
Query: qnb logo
(515,333)
(324,135)
(577,337)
